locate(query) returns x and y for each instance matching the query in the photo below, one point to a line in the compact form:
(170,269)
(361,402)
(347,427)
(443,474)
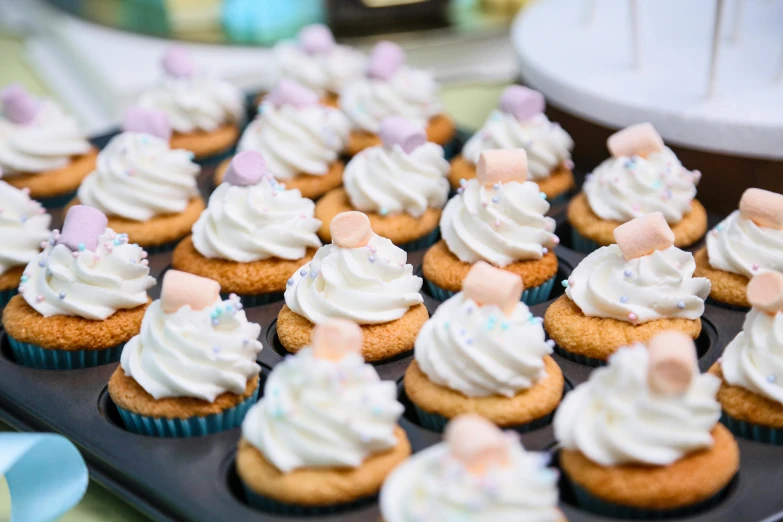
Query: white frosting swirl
(625,188)
(92,285)
(500,224)
(615,418)
(323,72)
(754,359)
(138,177)
(480,352)
(262,221)
(318,413)
(740,246)
(194,353)
(656,286)
(433,486)
(24,224)
(392,181)
(295,141)
(411,93)
(367,285)
(547,144)
(45,144)
(200,103)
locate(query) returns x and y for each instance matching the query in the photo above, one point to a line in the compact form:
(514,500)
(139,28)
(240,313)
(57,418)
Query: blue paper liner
(437,423)
(281,508)
(6,295)
(190,427)
(423,242)
(588,502)
(56,201)
(215,158)
(577,358)
(581,243)
(753,432)
(249,300)
(48,359)
(560,198)
(531,296)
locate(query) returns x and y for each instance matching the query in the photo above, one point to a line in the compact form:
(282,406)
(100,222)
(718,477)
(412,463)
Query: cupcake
(24,225)
(499,218)
(204,111)
(325,435)
(520,123)
(192,369)
(317,62)
(81,299)
(748,242)
(41,148)
(750,369)
(361,277)
(392,88)
(147,189)
(253,234)
(641,439)
(626,293)
(484,352)
(477,474)
(400,185)
(300,139)
(641,177)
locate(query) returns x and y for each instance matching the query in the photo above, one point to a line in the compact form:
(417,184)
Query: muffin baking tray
(194,478)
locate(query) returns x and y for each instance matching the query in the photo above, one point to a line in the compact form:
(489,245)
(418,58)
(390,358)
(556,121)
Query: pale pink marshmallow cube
(385,60)
(672,364)
(179,289)
(637,140)
(765,292)
(351,229)
(763,207)
(335,338)
(644,235)
(501,166)
(487,285)
(521,102)
(477,443)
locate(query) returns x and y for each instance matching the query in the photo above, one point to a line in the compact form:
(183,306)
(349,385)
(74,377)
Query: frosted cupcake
(520,123)
(748,242)
(300,139)
(253,234)
(626,293)
(641,439)
(751,368)
(477,474)
(484,352)
(41,148)
(317,62)
(391,88)
(24,225)
(641,177)
(81,299)
(325,435)
(361,277)
(147,189)
(499,218)
(400,185)
(192,369)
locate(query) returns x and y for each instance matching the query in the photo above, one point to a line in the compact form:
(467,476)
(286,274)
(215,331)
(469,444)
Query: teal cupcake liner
(165,247)
(423,242)
(560,198)
(281,508)
(753,432)
(6,296)
(56,201)
(437,423)
(190,427)
(582,244)
(249,300)
(531,296)
(727,306)
(588,502)
(581,359)
(209,161)
(34,356)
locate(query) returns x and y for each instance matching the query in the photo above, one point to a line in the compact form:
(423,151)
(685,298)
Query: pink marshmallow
(487,285)
(147,121)
(351,229)
(477,443)
(180,289)
(288,92)
(765,292)
(672,364)
(502,166)
(246,168)
(82,227)
(397,130)
(644,235)
(336,338)
(637,140)
(18,106)
(178,63)
(521,102)
(385,60)
(316,39)
(763,207)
